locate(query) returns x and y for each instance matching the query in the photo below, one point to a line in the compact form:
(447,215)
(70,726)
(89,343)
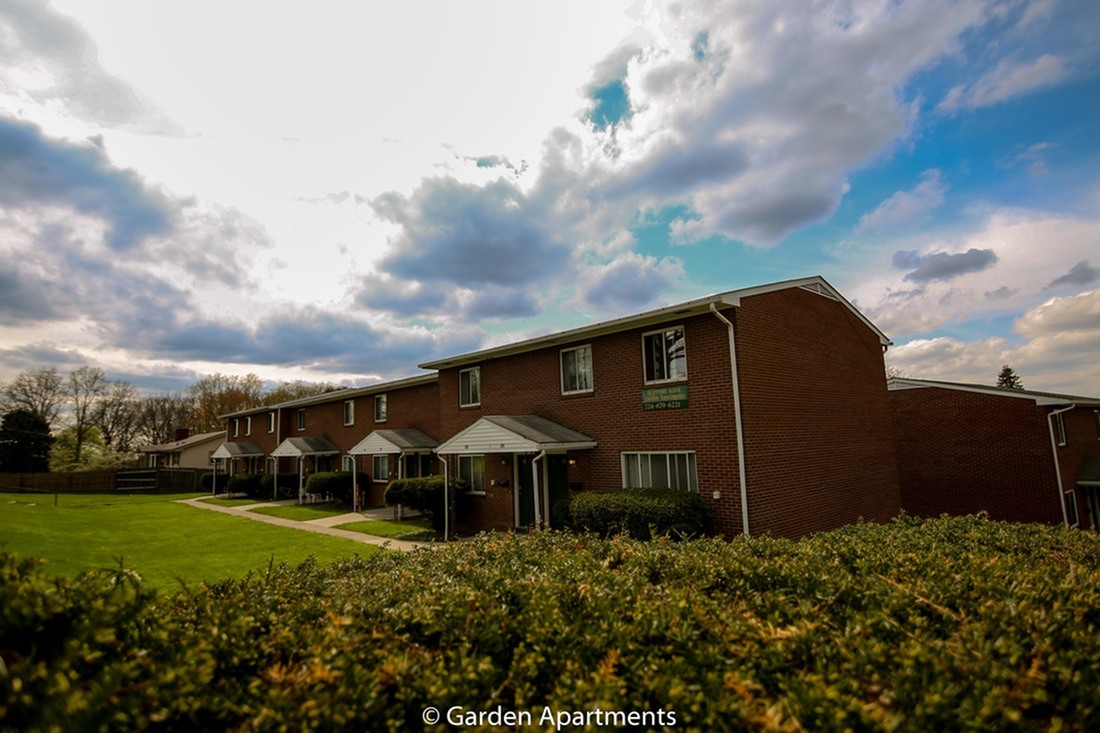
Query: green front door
(557,469)
(525,486)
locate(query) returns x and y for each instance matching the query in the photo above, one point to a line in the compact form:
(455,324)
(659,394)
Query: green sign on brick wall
(665,398)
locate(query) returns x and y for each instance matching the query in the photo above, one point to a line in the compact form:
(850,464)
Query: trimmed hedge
(249,484)
(641,513)
(337,484)
(945,624)
(425,495)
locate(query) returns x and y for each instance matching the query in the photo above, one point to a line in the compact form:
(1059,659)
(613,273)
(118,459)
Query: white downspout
(535,478)
(1054,452)
(737,422)
(354,483)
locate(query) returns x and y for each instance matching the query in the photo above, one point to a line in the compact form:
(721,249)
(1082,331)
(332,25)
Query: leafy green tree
(24,442)
(76,448)
(1008,379)
(84,387)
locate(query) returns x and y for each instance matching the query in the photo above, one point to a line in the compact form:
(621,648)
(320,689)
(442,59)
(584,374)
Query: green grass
(305,512)
(419,529)
(159,538)
(240,501)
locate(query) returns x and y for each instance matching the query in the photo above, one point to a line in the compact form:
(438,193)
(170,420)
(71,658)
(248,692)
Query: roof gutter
(1054,452)
(737,421)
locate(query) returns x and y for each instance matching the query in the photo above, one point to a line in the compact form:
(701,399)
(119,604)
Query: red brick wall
(816,415)
(965,452)
(818,426)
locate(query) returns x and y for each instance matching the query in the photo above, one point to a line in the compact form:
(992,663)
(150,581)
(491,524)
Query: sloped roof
(311,446)
(393,441)
(338,395)
(816,284)
(243,449)
(514,434)
(1040,398)
(178,445)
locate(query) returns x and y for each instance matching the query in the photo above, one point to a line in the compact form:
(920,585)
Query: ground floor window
(347,463)
(1071,508)
(660,471)
(380,468)
(472,470)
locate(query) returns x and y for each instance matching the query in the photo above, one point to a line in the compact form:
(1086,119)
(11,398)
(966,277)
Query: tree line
(83,420)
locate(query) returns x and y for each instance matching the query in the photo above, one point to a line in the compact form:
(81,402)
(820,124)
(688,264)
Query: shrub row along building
(770,402)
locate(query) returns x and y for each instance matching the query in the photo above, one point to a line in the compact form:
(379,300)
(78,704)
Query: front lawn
(236,501)
(417,530)
(305,512)
(156,536)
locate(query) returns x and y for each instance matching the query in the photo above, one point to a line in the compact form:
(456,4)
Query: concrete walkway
(324,525)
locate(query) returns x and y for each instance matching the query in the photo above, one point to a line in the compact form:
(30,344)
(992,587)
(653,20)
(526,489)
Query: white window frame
(301,418)
(349,412)
(347,464)
(565,389)
(691,468)
(380,460)
(1060,428)
(476,382)
(471,462)
(271,422)
(236,427)
(248,425)
(381,408)
(663,332)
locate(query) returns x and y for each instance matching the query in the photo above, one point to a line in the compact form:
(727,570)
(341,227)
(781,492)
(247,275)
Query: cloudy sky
(341,190)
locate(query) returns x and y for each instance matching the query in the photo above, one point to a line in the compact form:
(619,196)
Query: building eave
(1043,399)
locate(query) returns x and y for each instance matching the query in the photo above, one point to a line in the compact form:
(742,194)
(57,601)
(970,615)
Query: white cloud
(1057,354)
(1007,80)
(1022,252)
(907,207)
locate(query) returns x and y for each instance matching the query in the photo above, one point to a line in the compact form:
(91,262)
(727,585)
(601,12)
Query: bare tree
(116,416)
(297,389)
(219,394)
(84,387)
(160,415)
(41,391)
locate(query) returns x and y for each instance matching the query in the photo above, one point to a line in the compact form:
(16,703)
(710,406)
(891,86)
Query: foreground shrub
(640,513)
(945,624)
(426,495)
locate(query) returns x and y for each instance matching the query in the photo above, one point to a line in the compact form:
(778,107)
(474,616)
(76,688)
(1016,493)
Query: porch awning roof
(514,434)
(394,441)
(298,447)
(243,449)
(1090,473)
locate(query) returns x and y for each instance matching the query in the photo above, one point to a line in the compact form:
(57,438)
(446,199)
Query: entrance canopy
(245,449)
(514,434)
(1090,473)
(299,447)
(394,441)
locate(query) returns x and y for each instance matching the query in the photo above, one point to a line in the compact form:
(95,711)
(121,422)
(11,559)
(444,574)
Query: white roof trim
(897,384)
(298,447)
(487,436)
(816,284)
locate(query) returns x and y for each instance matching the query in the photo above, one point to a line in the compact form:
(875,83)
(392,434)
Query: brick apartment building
(1020,455)
(770,402)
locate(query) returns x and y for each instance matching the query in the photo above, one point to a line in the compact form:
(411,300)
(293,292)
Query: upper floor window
(380,408)
(248,426)
(236,427)
(1060,429)
(469,387)
(576,370)
(271,422)
(665,355)
(301,419)
(349,412)
(660,471)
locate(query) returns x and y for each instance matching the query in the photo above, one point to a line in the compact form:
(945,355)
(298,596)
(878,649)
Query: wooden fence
(153,480)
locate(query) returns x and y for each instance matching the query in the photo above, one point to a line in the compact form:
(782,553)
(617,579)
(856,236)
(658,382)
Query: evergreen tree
(1007,379)
(24,442)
